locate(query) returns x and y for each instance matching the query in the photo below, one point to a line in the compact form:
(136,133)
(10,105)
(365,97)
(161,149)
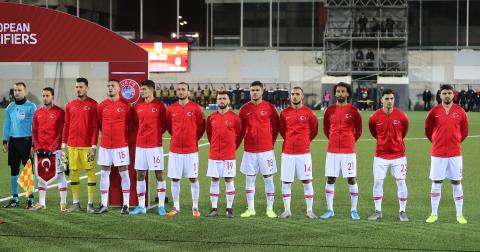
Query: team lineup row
(68,138)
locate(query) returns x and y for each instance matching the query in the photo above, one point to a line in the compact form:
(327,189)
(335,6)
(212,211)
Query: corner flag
(25,180)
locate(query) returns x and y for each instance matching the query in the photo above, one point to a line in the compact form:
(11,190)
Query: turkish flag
(47,168)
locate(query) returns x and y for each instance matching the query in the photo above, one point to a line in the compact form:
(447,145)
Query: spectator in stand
(477,100)
(370,57)
(437,97)
(389,23)
(4,102)
(427,97)
(326,99)
(362,25)
(462,99)
(374,27)
(471,96)
(455,96)
(359,64)
(165,95)
(383,27)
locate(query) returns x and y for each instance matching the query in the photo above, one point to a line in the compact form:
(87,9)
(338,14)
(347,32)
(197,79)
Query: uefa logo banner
(130,90)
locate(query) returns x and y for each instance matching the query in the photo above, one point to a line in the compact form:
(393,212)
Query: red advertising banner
(35,34)
(166,56)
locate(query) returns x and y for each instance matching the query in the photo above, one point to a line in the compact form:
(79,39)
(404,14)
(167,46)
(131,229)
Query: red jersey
(389,130)
(113,118)
(81,123)
(446,131)
(47,128)
(186,125)
(151,123)
(259,126)
(298,128)
(224,135)
(342,125)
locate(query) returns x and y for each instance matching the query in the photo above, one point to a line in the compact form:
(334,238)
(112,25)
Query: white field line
(81,178)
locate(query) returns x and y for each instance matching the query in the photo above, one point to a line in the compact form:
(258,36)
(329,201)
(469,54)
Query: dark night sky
(159,17)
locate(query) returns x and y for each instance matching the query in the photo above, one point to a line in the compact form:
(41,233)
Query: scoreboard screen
(166,56)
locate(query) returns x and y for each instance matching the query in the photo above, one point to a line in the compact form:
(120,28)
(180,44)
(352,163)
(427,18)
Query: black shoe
(29,204)
(11,204)
(102,209)
(230,213)
(124,210)
(212,213)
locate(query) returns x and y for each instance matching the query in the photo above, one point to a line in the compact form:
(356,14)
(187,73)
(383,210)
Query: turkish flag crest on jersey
(47,168)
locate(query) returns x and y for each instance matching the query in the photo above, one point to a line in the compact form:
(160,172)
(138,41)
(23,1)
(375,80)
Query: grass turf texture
(53,230)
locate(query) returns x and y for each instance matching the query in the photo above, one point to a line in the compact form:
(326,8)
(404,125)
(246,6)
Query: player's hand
(31,152)
(5,148)
(91,154)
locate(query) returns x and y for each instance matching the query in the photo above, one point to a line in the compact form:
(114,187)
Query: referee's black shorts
(18,152)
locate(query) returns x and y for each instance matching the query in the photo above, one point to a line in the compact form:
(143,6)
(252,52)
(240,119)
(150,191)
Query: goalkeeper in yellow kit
(80,137)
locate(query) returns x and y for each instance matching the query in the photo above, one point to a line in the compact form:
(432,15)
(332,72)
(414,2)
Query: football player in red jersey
(342,125)
(224,135)
(114,114)
(186,125)
(298,127)
(446,127)
(47,141)
(260,128)
(389,125)
(150,113)
(80,137)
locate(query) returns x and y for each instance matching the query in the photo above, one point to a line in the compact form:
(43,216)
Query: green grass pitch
(53,230)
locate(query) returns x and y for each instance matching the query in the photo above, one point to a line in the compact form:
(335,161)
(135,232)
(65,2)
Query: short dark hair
(257,83)
(81,79)
(20,84)
(388,91)
(345,85)
(223,92)
(446,86)
(298,87)
(50,90)
(184,83)
(148,83)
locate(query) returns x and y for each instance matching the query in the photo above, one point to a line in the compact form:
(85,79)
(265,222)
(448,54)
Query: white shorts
(149,159)
(451,168)
(222,168)
(398,165)
(117,156)
(345,162)
(301,165)
(183,165)
(263,162)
